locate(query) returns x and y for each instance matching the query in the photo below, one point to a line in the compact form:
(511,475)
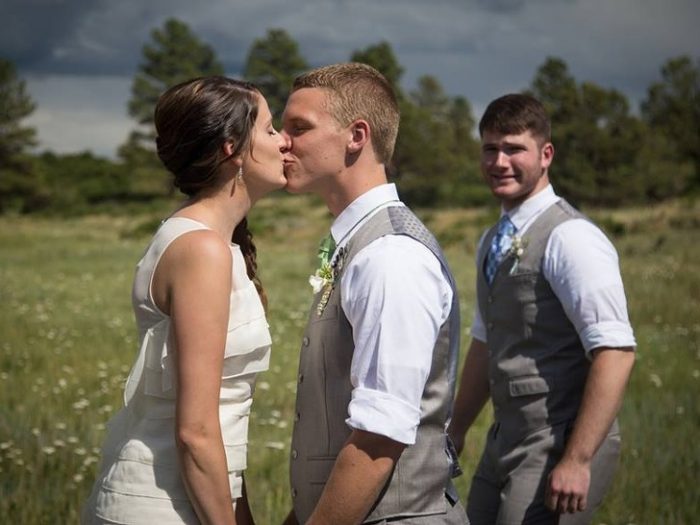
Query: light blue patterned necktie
(499,246)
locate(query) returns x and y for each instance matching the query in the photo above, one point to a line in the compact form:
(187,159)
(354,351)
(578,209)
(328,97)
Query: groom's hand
(457,439)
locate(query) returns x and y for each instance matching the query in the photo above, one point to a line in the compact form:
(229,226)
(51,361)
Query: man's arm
(472,394)
(361,470)
(569,481)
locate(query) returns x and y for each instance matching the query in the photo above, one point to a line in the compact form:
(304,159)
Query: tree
(467,187)
(273,63)
(556,88)
(18,188)
(463,124)
(672,107)
(80,180)
(604,155)
(15,105)
(174,55)
(431,96)
(593,135)
(435,155)
(382,58)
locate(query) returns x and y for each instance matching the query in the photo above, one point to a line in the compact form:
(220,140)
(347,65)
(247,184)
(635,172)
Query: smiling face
(263,168)
(515,165)
(317,142)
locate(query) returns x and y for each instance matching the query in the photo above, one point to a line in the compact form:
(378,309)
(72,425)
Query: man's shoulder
(558,217)
(394,220)
(565,210)
(395,252)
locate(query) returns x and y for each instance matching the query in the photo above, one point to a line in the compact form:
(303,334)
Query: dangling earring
(239,175)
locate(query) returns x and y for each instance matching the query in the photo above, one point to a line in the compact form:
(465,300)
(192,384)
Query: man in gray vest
(378,357)
(551,340)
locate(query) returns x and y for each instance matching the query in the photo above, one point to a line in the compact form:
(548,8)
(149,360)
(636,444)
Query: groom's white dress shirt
(395,296)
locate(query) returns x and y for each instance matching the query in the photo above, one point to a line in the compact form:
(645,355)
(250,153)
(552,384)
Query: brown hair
(358,91)
(243,237)
(517,113)
(193,121)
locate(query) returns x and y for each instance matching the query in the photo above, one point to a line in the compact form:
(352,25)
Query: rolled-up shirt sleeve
(582,267)
(396,298)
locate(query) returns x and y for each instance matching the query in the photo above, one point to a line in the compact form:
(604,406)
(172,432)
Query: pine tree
(174,55)
(273,63)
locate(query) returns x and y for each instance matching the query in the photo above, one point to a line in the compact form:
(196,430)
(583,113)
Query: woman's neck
(221,212)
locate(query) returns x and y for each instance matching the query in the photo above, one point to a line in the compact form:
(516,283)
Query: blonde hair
(358,91)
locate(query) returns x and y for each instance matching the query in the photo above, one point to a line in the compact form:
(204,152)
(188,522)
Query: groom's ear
(360,135)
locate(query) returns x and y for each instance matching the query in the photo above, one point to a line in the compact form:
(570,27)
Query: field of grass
(67,341)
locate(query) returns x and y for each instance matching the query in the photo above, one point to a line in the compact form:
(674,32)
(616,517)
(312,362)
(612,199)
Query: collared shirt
(581,266)
(395,296)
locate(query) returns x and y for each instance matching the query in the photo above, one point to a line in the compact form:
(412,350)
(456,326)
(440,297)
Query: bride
(176,452)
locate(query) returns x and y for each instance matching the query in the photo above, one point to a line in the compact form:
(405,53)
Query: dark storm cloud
(475,48)
(92,37)
(32,30)
(97,37)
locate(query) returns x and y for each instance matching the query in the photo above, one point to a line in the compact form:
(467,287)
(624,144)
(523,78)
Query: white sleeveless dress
(139,479)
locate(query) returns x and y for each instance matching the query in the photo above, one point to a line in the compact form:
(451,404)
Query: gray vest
(537,365)
(422,475)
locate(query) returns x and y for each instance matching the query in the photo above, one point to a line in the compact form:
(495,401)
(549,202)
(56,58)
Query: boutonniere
(324,278)
(516,250)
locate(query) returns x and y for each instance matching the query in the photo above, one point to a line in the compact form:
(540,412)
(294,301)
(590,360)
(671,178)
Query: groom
(378,357)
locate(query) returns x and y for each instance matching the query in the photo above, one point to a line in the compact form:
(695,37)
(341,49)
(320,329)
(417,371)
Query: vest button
(297,416)
(294,454)
(301,378)
(305,341)
(294,493)
(490,298)
(490,326)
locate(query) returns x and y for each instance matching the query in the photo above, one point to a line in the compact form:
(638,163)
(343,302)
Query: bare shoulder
(199,250)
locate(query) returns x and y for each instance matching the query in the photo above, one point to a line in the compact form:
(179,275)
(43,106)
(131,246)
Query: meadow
(67,341)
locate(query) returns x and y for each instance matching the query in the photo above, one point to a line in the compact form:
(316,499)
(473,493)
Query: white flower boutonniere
(323,281)
(322,277)
(516,250)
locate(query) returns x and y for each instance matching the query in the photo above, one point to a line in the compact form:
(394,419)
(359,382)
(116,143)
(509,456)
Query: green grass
(67,341)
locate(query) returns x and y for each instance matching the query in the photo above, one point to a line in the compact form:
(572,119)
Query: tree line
(606,154)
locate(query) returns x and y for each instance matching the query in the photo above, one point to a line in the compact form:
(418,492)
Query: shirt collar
(360,208)
(523,214)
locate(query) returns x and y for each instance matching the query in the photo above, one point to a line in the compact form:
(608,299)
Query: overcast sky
(78,57)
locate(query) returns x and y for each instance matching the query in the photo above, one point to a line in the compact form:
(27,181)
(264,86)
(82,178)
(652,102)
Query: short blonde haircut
(358,91)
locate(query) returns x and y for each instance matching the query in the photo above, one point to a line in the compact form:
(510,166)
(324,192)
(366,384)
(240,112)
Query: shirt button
(305,341)
(294,454)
